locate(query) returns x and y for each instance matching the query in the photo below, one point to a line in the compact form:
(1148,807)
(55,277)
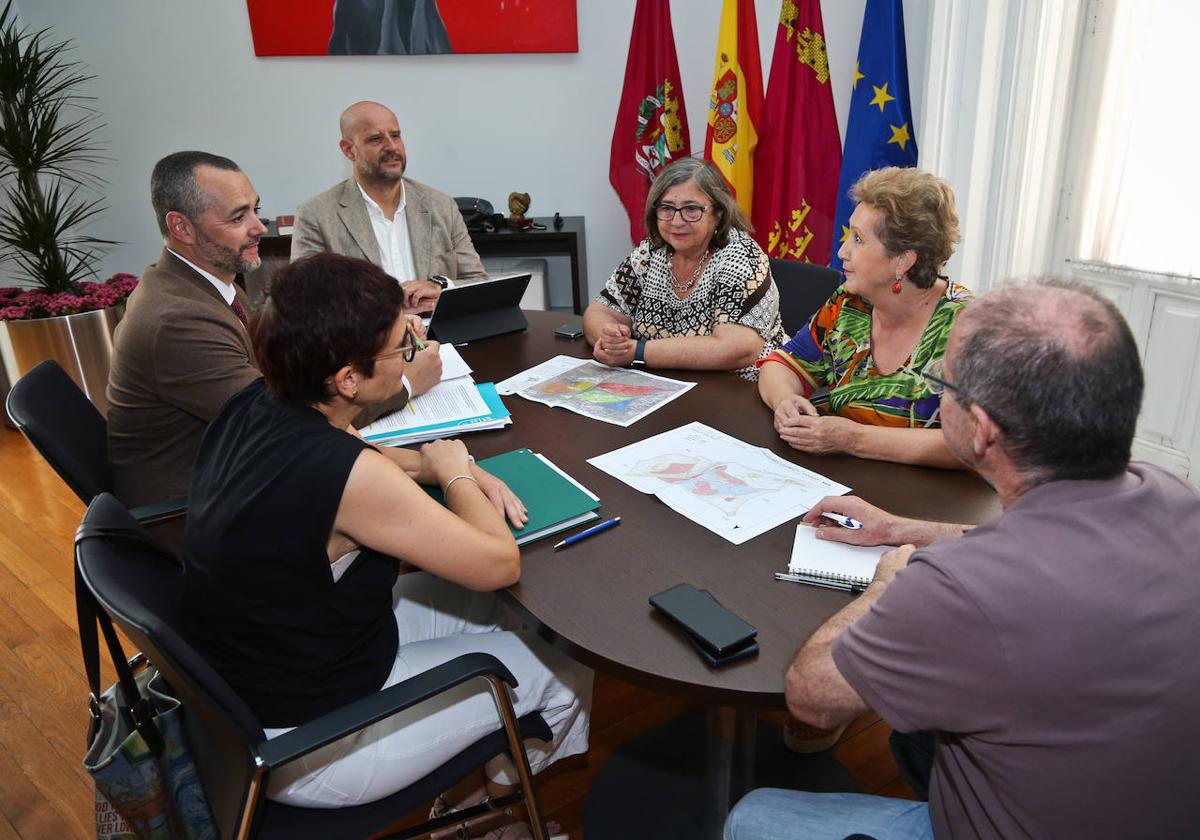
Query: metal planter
(81,343)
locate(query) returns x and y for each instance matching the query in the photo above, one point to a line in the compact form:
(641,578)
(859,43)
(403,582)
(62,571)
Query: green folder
(553,501)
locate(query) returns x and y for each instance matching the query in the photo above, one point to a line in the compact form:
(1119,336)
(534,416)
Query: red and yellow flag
(800,152)
(651,127)
(736,102)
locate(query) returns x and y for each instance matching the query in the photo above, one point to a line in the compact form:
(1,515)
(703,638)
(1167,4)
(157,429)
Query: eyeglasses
(690,212)
(934,373)
(408,348)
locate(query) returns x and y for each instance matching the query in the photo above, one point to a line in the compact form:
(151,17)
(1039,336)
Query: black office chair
(63,425)
(803,288)
(141,587)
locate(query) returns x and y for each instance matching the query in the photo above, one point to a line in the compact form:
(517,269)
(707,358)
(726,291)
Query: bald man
(413,232)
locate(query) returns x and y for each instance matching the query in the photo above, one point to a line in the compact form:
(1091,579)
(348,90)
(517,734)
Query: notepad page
(833,560)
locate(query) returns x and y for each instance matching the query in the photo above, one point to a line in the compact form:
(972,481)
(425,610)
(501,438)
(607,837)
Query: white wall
(183,75)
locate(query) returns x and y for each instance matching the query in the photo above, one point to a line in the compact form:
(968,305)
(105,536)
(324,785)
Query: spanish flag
(736,102)
(797,163)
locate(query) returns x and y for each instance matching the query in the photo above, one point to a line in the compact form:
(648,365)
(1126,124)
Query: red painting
(411,27)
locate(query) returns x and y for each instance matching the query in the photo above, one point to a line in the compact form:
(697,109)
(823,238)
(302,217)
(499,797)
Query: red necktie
(236,306)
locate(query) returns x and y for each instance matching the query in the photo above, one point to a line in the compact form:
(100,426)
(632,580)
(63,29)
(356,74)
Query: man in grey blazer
(182,349)
(410,230)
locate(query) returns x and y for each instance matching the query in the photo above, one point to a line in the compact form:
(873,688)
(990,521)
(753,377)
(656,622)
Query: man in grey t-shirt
(1048,650)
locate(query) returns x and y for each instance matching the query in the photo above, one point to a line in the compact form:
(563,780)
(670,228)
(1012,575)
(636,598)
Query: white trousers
(438,621)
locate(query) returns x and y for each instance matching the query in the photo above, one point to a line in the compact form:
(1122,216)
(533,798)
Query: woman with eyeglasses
(295,527)
(697,293)
(880,330)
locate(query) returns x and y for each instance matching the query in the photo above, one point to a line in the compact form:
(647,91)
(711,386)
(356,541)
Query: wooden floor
(44,792)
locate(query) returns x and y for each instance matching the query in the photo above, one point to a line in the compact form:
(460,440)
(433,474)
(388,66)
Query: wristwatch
(639,353)
(442,280)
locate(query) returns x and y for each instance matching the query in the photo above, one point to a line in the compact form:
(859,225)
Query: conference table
(590,599)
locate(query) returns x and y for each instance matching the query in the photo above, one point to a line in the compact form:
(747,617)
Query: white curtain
(1139,203)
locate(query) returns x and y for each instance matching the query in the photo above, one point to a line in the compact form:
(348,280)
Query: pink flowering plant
(48,192)
(17,304)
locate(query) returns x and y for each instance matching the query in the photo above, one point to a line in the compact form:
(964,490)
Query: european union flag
(880,129)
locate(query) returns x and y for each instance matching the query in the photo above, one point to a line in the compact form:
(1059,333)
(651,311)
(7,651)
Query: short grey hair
(709,181)
(1055,365)
(173,185)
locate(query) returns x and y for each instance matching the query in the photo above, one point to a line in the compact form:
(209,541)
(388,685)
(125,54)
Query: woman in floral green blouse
(887,321)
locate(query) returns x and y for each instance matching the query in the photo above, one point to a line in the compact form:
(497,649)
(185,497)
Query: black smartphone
(737,654)
(702,616)
(571,329)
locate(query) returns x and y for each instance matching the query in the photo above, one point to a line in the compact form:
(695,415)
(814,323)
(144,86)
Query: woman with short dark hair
(294,527)
(697,292)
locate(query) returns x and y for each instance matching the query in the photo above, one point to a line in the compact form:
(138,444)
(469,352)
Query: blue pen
(844,521)
(595,529)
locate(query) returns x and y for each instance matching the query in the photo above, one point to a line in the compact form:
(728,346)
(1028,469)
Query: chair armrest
(160,511)
(375,707)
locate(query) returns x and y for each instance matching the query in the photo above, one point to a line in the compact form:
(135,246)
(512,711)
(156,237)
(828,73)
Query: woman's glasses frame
(691,213)
(408,348)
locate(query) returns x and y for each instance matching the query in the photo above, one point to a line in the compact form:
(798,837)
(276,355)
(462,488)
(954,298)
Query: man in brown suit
(182,348)
(412,231)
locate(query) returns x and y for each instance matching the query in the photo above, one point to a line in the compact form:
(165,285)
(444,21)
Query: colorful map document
(733,489)
(621,396)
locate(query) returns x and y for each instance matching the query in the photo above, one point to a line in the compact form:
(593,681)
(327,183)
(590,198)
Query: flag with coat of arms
(736,100)
(651,127)
(879,131)
(800,150)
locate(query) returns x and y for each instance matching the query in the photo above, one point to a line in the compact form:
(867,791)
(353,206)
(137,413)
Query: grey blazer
(336,220)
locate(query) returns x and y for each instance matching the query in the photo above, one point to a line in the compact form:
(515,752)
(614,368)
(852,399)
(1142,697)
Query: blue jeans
(774,814)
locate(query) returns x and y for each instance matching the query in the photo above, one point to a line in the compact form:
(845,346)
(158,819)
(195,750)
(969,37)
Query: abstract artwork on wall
(411,27)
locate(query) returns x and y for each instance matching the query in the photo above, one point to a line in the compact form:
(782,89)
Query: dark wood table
(591,599)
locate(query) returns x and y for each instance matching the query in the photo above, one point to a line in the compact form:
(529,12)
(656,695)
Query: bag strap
(137,710)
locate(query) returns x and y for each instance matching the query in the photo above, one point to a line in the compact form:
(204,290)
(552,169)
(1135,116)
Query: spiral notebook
(851,565)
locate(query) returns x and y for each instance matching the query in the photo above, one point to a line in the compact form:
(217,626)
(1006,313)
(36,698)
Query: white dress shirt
(226,289)
(395,247)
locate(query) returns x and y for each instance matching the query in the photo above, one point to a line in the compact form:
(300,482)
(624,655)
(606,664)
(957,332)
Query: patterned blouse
(834,350)
(735,288)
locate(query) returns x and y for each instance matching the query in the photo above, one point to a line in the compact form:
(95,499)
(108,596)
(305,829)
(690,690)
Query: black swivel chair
(141,588)
(68,431)
(803,287)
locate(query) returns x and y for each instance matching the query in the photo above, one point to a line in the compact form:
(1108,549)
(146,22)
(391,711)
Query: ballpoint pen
(844,521)
(583,535)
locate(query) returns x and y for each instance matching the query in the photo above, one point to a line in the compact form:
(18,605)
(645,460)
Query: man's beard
(225,258)
(374,170)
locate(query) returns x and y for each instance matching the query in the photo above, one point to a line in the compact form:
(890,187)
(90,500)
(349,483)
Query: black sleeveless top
(261,603)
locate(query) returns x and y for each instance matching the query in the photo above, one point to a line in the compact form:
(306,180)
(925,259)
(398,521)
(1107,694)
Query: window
(1136,204)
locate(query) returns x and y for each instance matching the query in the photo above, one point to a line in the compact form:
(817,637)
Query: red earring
(896,287)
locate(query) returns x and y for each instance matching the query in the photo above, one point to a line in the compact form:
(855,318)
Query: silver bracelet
(446,489)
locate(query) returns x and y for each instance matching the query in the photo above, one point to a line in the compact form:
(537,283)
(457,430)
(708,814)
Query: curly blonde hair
(917,214)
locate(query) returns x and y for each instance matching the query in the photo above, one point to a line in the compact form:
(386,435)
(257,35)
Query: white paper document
(621,396)
(730,487)
(833,561)
(453,364)
(446,402)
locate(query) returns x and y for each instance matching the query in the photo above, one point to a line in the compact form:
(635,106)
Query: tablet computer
(478,310)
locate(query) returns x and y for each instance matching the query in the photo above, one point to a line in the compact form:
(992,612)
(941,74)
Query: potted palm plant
(49,194)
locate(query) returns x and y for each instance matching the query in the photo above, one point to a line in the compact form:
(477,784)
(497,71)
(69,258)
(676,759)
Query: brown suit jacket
(337,221)
(180,353)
